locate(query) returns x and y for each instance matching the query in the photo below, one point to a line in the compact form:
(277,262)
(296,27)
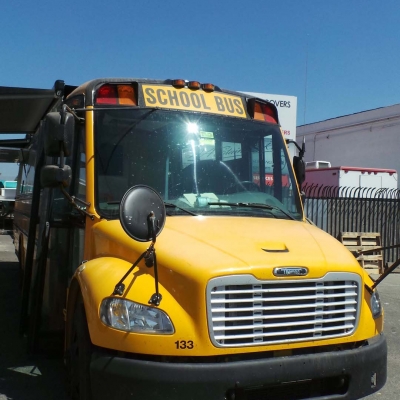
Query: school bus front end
(252,301)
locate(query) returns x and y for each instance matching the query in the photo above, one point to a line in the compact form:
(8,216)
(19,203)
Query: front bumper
(349,374)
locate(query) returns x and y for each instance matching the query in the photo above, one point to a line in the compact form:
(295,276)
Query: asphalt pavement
(27,377)
(22,376)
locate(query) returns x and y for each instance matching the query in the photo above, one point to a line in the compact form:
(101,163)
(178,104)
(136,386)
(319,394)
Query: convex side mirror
(53,175)
(299,167)
(58,129)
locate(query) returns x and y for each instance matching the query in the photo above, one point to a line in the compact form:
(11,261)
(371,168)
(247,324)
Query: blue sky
(337,57)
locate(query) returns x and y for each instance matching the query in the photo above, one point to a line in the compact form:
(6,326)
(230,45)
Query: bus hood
(216,246)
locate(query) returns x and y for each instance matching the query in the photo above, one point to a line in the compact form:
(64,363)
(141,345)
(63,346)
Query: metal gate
(350,209)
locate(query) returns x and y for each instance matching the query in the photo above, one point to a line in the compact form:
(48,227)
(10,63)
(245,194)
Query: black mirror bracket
(70,110)
(150,260)
(120,287)
(301,149)
(72,200)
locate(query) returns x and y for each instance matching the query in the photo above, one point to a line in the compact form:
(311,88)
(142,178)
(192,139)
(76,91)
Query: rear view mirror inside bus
(58,131)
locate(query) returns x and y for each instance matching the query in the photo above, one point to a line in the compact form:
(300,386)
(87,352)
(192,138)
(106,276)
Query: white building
(369,139)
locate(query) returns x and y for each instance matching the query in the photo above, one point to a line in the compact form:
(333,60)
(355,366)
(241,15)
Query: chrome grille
(243,311)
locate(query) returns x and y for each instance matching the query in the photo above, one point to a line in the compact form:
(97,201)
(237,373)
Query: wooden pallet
(358,241)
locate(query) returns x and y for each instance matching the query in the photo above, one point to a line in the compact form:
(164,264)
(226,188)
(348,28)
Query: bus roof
(21,109)
(9,155)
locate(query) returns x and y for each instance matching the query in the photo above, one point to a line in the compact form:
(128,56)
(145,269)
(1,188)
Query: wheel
(243,186)
(78,356)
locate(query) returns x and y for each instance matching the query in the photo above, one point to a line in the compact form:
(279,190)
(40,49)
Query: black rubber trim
(363,368)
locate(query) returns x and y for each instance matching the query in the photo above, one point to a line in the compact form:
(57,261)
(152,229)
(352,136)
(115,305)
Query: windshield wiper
(252,205)
(166,204)
(171,205)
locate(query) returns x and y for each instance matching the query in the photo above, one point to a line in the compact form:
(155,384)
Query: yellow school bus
(160,230)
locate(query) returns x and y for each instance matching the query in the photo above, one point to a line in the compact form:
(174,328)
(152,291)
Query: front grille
(243,311)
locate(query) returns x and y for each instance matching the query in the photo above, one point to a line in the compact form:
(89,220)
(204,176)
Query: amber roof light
(208,87)
(194,85)
(179,83)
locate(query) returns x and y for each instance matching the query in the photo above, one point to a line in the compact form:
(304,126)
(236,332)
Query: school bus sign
(190,100)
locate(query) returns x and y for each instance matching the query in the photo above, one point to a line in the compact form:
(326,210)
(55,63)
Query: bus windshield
(196,162)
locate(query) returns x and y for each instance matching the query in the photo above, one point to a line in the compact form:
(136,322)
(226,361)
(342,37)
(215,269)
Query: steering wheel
(243,186)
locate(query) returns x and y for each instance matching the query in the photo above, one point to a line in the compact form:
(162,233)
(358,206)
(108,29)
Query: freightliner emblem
(290,271)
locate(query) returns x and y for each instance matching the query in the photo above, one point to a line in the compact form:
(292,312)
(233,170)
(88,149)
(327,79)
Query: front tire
(78,356)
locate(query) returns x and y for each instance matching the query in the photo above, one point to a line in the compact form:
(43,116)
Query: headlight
(129,316)
(376,306)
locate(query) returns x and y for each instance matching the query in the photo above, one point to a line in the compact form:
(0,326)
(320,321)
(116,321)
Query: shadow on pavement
(22,376)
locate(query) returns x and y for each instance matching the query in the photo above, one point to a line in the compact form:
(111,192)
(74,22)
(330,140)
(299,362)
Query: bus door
(58,247)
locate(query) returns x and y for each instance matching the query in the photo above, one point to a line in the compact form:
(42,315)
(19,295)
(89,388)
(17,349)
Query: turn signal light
(263,111)
(126,95)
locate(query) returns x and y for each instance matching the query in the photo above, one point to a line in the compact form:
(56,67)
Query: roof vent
(318,164)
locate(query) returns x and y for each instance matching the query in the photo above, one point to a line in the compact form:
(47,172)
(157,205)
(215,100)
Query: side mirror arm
(301,149)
